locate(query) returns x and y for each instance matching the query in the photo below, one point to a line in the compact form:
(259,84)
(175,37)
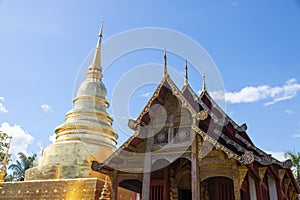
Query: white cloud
(39,144)
(46,108)
(252,94)
(52,138)
(296,135)
(234,3)
(20,139)
(289,112)
(2,108)
(278,155)
(145,95)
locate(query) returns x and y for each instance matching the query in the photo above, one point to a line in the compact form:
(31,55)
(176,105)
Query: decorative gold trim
(291,192)
(202,115)
(286,183)
(88,140)
(229,153)
(261,172)
(68,139)
(247,158)
(94,134)
(66,128)
(242,174)
(91,98)
(88,113)
(281,173)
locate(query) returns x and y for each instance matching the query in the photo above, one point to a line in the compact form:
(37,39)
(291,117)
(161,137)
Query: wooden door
(218,188)
(157,191)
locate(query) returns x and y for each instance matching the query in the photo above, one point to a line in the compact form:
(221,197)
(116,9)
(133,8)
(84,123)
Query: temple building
(183,147)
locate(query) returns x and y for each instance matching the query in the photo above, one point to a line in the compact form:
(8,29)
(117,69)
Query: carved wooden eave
(240,141)
(215,106)
(291,180)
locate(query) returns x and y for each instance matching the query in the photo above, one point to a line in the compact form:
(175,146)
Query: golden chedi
(86,134)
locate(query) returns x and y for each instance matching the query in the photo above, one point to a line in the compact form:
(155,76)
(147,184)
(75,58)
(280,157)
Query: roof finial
(95,70)
(165,63)
(203,82)
(101,31)
(186,80)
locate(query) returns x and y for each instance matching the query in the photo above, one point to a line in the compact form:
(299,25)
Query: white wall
(272,188)
(252,188)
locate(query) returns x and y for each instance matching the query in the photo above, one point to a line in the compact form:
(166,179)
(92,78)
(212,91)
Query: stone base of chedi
(63,189)
(67,189)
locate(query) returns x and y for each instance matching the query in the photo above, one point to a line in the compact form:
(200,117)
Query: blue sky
(255,46)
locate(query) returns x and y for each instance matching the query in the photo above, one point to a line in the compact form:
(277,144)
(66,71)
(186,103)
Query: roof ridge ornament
(186,80)
(203,83)
(165,63)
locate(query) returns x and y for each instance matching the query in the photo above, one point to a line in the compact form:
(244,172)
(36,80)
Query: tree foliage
(295,157)
(22,164)
(4,144)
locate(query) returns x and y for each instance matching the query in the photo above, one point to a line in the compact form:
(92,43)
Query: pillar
(147,169)
(195,171)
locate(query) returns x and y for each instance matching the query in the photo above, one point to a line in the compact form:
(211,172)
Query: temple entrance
(159,184)
(217,188)
(157,191)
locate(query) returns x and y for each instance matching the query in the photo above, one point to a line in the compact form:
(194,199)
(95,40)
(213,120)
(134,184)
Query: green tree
(22,164)
(4,145)
(295,157)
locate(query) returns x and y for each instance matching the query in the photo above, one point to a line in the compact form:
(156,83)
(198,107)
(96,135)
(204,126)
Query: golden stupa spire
(95,70)
(186,80)
(203,83)
(87,132)
(165,63)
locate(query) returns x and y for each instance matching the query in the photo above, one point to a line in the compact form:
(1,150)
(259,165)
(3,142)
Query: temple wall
(59,189)
(67,189)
